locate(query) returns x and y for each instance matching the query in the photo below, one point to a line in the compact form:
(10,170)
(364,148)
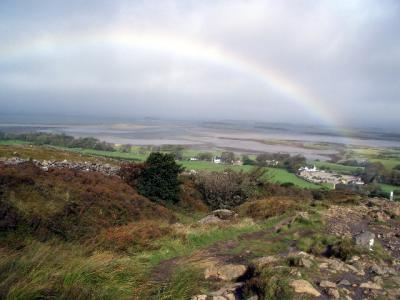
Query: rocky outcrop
(225,214)
(302,286)
(211,219)
(227,272)
(365,239)
(218,216)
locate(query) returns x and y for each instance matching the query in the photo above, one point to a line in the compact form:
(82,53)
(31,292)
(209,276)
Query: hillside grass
(342,169)
(71,270)
(390,158)
(388,163)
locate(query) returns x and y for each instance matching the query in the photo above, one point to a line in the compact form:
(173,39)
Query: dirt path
(216,254)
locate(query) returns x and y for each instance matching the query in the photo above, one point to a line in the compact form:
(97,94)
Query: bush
(159,179)
(156,179)
(229,188)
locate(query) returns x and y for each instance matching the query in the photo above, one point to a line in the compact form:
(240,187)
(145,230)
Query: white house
(307,169)
(216,160)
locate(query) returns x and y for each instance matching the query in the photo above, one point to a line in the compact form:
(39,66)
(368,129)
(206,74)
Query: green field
(283,176)
(387,188)
(390,158)
(336,167)
(272,174)
(388,163)
(12,142)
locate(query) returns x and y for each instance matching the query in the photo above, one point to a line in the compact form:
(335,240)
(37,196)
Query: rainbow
(185,47)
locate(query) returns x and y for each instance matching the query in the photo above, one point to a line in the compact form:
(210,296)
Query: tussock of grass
(270,207)
(272,283)
(183,284)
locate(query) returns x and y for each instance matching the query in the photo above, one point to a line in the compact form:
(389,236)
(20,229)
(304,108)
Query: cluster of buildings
(320,176)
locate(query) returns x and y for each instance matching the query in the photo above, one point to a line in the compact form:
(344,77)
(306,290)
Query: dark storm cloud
(346,53)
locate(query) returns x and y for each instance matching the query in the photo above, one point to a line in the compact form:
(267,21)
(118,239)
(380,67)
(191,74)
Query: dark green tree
(159,179)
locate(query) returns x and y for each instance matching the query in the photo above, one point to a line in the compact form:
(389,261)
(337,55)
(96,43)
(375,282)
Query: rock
(355,270)
(344,282)
(225,272)
(199,297)
(211,219)
(333,293)
(370,285)
(304,262)
(303,215)
(327,284)
(380,216)
(365,239)
(378,280)
(393,293)
(375,269)
(285,222)
(304,287)
(228,289)
(224,214)
(265,261)
(354,258)
(323,265)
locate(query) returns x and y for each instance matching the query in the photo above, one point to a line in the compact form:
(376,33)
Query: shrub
(156,179)
(229,188)
(159,180)
(345,248)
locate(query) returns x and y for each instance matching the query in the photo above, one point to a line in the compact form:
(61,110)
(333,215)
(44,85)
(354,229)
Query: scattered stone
(375,269)
(266,261)
(306,263)
(211,219)
(354,258)
(304,287)
(333,293)
(365,239)
(370,285)
(378,280)
(199,297)
(355,270)
(327,284)
(380,216)
(323,265)
(225,272)
(344,282)
(224,214)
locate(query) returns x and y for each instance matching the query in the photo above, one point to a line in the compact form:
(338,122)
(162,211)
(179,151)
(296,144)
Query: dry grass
(70,204)
(269,207)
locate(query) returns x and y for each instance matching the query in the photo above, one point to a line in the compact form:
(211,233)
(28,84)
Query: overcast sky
(203,59)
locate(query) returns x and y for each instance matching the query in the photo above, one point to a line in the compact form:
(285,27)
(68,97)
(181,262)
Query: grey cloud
(347,53)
